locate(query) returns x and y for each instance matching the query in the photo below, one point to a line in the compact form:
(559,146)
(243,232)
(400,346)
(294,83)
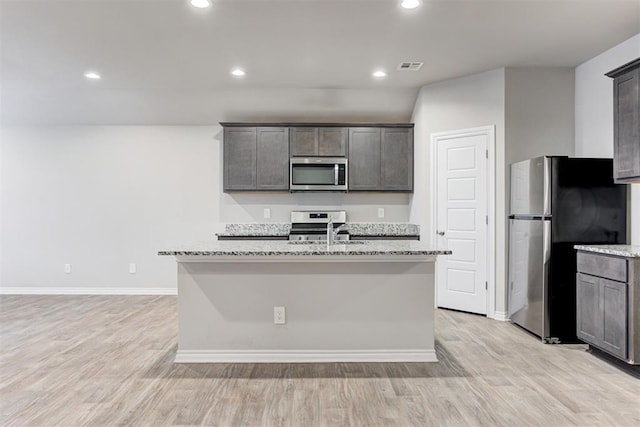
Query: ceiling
(165,62)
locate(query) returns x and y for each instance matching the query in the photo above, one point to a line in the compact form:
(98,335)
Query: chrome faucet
(332,233)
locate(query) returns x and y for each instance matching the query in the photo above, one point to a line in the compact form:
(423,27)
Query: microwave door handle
(335,170)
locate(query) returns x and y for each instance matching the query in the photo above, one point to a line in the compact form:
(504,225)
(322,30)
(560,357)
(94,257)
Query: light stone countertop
(273,229)
(354,228)
(629,251)
(285,248)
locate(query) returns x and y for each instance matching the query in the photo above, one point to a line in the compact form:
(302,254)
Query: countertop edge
(241,253)
(627,251)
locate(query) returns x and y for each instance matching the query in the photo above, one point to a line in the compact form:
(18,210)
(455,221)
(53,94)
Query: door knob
(440,233)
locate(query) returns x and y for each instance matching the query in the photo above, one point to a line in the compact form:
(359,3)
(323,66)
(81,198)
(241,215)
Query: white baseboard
(303,356)
(501,316)
(29,290)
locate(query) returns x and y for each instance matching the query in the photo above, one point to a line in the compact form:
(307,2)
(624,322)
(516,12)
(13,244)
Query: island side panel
(344,307)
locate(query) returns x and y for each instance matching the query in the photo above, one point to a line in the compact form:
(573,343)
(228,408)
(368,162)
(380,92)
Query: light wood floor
(107,360)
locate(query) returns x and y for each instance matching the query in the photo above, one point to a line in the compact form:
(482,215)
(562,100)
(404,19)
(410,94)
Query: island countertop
(231,248)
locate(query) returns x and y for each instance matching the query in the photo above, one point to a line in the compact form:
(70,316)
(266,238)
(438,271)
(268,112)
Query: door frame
(490,133)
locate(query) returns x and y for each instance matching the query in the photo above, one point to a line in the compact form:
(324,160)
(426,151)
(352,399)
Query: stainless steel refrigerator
(557,202)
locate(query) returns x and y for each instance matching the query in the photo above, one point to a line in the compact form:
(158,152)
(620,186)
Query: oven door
(318,174)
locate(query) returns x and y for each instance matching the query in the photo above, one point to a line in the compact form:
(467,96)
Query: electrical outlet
(279,316)
(67,268)
(132,268)
(380,212)
(267,213)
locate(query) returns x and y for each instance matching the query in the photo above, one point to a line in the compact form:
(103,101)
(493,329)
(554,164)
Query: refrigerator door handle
(546,192)
(546,298)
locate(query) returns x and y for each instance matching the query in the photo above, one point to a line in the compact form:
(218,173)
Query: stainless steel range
(313,225)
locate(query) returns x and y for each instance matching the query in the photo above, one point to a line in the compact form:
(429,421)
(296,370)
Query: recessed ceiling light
(410,4)
(379,74)
(237,72)
(92,75)
(200,3)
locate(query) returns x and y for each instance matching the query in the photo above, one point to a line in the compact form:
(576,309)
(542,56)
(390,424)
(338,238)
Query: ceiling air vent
(410,66)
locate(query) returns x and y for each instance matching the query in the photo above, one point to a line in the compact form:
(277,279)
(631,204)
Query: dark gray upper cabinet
(318,141)
(256,158)
(626,122)
(396,159)
(240,155)
(364,159)
(381,159)
(304,142)
(272,159)
(332,142)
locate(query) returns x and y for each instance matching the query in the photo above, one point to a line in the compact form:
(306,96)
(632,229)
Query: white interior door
(462,220)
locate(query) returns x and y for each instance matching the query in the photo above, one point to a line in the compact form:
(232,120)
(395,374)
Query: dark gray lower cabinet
(608,304)
(602,314)
(589,315)
(256,158)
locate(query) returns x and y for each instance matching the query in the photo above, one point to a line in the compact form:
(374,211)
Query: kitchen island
(363,301)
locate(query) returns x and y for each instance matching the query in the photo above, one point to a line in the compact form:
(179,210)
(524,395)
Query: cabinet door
(614,317)
(364,159)
(304,142)
(332,142)
(239,147)
(588,313)
(396,157)
(626,116)
(273,158)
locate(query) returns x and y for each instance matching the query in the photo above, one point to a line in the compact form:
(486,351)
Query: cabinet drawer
(609,267)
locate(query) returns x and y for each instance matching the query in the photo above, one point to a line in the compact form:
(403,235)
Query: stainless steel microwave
(318,174)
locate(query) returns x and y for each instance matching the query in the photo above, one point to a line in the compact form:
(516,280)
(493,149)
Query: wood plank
(108,360)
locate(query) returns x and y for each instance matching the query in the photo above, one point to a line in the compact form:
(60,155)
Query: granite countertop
(258,230)
(286,248)
(354,228)
(629,251)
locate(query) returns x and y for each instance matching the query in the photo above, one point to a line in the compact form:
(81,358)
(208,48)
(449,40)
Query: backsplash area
(360,207)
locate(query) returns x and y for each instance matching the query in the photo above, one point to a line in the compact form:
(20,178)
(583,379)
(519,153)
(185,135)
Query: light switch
(267,213)
(380,212)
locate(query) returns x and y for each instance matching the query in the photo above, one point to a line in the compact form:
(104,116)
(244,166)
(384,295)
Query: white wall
(533,113)
(594,113)
(101,197)
(539,113)
(462,103)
